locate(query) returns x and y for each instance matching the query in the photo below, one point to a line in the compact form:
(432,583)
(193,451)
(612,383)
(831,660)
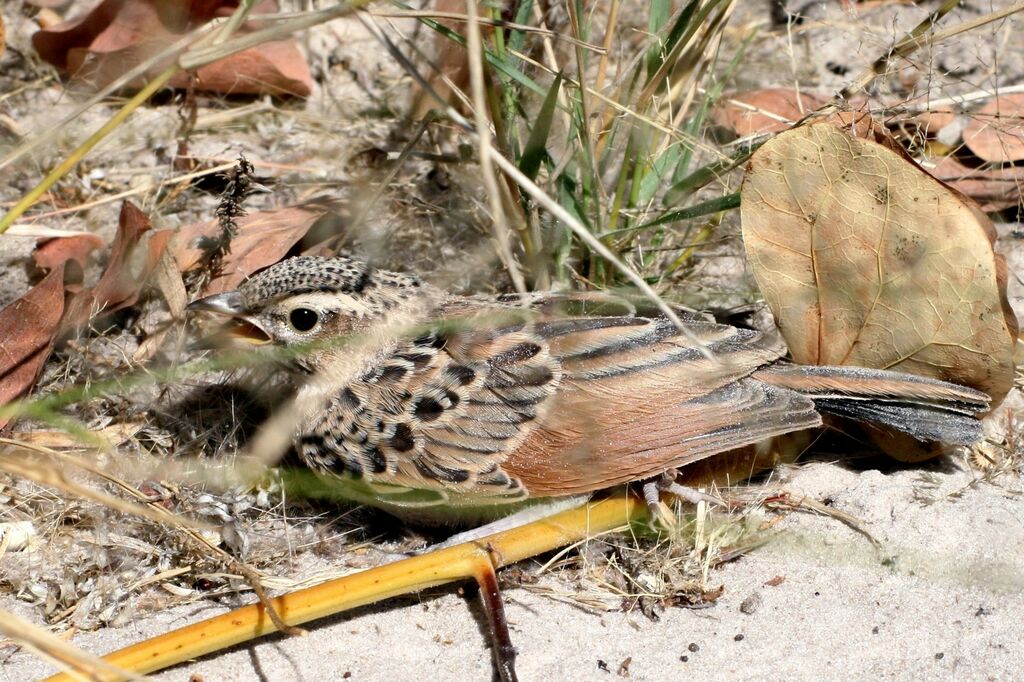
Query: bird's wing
(638,397)
(563,405)
(439,412)
(505,403)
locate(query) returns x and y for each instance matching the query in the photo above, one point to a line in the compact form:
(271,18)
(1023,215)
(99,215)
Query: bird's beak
(241,327)
(228,303)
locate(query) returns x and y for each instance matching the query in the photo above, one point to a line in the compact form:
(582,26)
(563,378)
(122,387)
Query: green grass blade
(504,67)
(536,150)
(716,205)
(707,174)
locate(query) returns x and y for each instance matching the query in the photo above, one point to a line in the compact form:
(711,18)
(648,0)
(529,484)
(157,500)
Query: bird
(441,407)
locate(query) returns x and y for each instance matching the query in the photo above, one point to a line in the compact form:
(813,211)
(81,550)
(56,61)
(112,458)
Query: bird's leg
(666,483)
(494,608)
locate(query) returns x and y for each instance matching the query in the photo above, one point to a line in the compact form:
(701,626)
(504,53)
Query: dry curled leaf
(994,189)
(27,330)
(928,122)
(263,239)
(118,287)
(996,131)
(865,259)
(764,111)
(118,35)
(50,254)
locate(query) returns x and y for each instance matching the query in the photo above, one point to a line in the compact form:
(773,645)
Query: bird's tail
(927,409)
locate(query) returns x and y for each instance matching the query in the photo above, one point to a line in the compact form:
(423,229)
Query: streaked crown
(304,275)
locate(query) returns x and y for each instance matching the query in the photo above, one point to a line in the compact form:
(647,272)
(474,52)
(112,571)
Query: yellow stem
(375,584)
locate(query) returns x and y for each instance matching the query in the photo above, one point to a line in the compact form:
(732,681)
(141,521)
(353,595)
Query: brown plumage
(416,397)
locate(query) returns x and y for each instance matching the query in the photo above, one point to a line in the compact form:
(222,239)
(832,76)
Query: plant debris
(118,35)
(28,328)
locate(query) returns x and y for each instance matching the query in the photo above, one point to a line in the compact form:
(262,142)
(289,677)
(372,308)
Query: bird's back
(498,400)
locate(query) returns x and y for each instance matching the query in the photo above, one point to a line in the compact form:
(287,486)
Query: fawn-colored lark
(411,397)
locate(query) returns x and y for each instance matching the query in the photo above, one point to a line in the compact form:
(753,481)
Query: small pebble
(751,604)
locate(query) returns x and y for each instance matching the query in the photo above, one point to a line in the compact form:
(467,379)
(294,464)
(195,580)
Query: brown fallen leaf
(994,189)
(27,330)
(928,122)
(50,254)
(117,35)
(995,132)
(168,280)
(865,259)
(118,287)
(263,239)
(764,111)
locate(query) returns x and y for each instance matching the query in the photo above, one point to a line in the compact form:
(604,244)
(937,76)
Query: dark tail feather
(927,409)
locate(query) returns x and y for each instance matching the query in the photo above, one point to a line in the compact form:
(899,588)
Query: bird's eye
(303,319)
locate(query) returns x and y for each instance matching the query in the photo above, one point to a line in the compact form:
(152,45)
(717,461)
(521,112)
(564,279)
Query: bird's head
(310,300)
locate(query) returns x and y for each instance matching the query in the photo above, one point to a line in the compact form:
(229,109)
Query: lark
(413,399)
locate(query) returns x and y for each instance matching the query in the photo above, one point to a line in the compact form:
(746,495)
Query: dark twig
(241,182)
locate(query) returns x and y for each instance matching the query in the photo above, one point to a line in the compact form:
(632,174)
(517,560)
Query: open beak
(228,303)
(240,326)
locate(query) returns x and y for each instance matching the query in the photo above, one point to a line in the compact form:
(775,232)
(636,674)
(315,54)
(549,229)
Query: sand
(938,598)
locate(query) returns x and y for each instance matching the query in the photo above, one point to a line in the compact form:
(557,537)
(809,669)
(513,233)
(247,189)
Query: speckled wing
(441,412)
(507,402)
(565,405)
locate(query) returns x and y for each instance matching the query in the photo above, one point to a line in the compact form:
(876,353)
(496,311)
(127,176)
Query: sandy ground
(938,598)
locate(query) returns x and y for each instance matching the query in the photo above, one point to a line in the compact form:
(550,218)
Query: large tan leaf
(867,260)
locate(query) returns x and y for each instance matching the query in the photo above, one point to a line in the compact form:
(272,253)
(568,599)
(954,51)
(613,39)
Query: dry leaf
(994,189)
(27,329)
(118,35)
(928,122)
(118,287)
(50,254)
(764,111)
(865,259)
(263,239)
(996,131)
(169,282)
